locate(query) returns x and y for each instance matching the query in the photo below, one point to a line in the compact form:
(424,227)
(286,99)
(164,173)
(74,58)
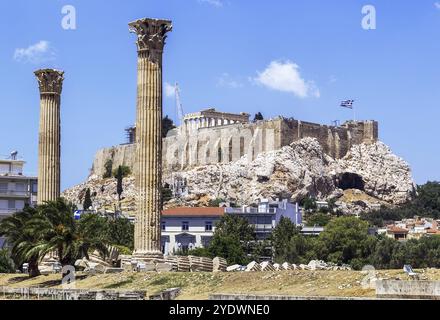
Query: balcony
(7,212)
(251,210)
(14,193)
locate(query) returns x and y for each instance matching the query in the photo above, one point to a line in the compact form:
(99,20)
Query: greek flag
(347,104)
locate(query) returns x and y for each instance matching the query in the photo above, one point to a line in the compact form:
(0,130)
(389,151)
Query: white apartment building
(16,189)
(188,228)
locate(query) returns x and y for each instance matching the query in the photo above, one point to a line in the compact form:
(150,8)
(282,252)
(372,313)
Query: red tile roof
(194,212)
(394,229)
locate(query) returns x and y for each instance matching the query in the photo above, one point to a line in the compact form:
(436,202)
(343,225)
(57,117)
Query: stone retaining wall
(408,289)
(70,294)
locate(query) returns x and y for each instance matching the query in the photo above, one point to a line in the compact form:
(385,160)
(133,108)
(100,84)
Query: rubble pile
(175,264)
(268,266)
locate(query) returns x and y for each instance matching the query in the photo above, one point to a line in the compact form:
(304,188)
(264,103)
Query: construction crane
(179,107)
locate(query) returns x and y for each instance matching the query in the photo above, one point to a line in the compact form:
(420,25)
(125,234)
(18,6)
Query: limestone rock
(369,176)
(303,169)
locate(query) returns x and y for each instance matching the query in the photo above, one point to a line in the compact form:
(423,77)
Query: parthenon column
(151,35)
(49,146)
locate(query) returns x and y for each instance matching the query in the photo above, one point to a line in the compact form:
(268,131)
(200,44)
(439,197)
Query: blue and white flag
(347,104)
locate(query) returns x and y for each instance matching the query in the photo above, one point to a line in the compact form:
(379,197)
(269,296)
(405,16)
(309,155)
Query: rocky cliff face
(369,175)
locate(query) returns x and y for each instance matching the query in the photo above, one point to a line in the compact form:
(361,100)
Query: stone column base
(150,257)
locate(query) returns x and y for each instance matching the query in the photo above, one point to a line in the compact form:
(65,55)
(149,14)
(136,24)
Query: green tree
(121,233)
(309,204)
(6,264)
(22,241)
(345,240)
(119,187)
(167,194)
(288,244)
(233,239)
(229,248)
(318,219)
(216,202)
(125,171)
(167,125)
(87,200)
(108,166)
(236,227)
(258,117)
(59,232)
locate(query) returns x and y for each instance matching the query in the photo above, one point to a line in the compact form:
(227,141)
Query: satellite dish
(14,155)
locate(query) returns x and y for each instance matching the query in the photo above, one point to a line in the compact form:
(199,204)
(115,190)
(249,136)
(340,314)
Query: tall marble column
(49,146)
(151,35)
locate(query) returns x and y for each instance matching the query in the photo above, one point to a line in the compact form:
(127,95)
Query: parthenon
(212,118)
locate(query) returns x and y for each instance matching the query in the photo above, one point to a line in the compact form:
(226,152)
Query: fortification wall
(185,148)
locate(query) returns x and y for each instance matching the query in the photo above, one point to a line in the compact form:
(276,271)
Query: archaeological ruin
(212,137)
(50,84)
(151,35)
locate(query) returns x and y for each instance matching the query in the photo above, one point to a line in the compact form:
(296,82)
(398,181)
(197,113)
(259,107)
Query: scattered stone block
(219,264)
(233,268)
(113,270)
(267,266)
(253,266)
(286,266)
(164,267)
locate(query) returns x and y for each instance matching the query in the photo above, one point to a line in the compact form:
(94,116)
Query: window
(208,226)
(3,187)
(206,241)
(185,226)
(163,226)
(20,188)
(11,204)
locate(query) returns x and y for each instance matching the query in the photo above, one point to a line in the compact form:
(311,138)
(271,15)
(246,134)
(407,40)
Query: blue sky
(293,58)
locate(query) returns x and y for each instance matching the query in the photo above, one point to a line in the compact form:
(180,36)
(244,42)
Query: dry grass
(197,286)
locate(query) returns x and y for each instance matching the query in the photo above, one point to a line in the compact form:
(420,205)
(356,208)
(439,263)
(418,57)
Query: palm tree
(21,241)
(61,233)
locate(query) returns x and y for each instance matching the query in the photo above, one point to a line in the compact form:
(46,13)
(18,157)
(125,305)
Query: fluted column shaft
(49,145)
(149,154)
(151,39)
(49,149)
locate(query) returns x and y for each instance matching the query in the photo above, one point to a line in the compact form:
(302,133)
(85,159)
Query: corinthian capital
(151,34)
(50,81)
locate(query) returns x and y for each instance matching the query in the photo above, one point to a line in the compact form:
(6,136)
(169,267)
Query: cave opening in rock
(349,180)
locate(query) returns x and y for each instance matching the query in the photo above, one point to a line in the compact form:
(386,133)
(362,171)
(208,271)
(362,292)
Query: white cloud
(227,81)
(285,77)
(37,53)
(170,90)
(437,5)
(332,79)
(215,3)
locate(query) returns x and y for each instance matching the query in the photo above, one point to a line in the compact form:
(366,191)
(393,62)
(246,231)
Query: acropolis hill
(212,137)
(223,155)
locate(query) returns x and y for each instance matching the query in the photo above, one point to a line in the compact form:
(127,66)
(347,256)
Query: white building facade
(16,189)
(184,229)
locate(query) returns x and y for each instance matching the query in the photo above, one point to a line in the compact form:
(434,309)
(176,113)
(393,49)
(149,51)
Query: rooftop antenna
(336,123)
(14,155)
(179,107)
